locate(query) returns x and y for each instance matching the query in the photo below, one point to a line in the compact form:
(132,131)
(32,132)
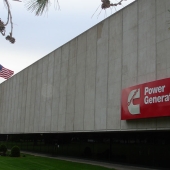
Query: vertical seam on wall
(29,123)
(67,82)
(75,84)
(85,81)
(1,108)
(6,108)
(137,42)
(26,100)
(11,106)
(19,104)
(46,95)
(59,88)
(137,64)
(14,109)
(29,101)
(35,100)
(29,106)
(107,73)
(40,94)
(95,78)
(16,102)
(8,111)
(5,99)
(38,114)
(17,97)
(156,38)
(52,91)
(1,105)
(156,45)
(13,87)
(46,99)
(121,69)
(5,111)
(75,55)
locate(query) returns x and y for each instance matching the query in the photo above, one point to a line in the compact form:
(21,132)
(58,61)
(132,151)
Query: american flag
(5,73)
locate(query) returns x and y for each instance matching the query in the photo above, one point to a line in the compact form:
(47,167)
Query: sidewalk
(104,164)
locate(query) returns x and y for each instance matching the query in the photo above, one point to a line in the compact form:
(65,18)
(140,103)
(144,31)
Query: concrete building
(76,89)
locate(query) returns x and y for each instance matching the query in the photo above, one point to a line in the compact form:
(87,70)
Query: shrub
(15,151)
(3,149)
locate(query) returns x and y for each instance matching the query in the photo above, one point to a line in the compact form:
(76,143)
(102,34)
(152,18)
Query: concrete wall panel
(49,90)
(146,10)
(162,50)
(115,71)
(24,99)
(20,94)
(43,94)
(56,90)
(7,112)
(162,20)
(13,111)
(10,109)
(63,87)
(80,82)
(130,42)
(71,86)
(16,102)
(5,108)
(1,107)
(129,57)
(90,84)
(38,96)
(101,75)
(9,105)
(33,93)
(28,99)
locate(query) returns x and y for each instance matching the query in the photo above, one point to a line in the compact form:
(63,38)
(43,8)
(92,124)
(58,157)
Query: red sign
(146,100)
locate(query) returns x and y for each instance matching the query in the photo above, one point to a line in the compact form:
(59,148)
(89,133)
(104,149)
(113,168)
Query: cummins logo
(133,109)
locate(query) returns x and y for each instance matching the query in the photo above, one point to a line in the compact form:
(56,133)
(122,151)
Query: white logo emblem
(133,109)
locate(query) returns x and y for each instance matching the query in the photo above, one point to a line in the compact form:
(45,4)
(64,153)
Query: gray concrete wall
(78,86)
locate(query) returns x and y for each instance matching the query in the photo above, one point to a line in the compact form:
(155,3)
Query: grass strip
(30,162)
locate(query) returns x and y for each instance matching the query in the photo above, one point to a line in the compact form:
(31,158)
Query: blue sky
(38,36)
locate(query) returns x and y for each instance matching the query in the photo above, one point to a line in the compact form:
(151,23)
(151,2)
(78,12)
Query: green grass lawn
(40,163)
